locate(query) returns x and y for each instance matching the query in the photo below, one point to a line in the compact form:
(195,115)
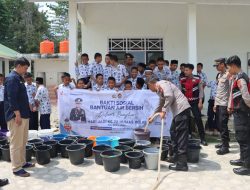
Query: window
(143,49)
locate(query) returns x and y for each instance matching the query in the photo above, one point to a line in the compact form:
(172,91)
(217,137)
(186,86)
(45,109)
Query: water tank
(64,46)
(46,47)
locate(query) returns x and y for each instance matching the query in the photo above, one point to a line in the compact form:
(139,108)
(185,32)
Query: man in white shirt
(43,103)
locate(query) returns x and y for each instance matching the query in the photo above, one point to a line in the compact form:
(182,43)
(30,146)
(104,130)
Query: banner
(108,113)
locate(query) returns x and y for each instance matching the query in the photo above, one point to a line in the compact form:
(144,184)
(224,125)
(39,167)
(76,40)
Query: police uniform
(171,99)
(239,102)
(192,88)
(78,114)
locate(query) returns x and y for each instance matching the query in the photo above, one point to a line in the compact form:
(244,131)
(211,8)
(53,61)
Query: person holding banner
(172,99)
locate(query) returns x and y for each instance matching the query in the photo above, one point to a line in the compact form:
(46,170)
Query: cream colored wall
(51,67)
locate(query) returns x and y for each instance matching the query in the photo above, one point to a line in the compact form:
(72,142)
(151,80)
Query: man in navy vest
(239,105)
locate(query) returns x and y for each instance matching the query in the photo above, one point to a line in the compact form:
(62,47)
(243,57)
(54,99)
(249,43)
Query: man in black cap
(220,105)
(77,113)
(239,104)
(129,62)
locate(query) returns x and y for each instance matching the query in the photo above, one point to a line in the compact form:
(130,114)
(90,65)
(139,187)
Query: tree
(26,26)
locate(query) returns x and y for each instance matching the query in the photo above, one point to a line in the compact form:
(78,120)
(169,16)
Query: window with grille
(143,49)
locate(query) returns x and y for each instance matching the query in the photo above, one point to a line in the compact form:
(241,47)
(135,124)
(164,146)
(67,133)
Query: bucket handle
(153,117)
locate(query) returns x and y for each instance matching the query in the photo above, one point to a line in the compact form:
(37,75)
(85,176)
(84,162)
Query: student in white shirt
(95,68)
(111,84)
(162,72)
(82,69)
(134,76)
(98,86)
(141,70)
(43,103)
(128,85)
(31,92)
(66,83)
(119,72)
(140,84)
(107,70)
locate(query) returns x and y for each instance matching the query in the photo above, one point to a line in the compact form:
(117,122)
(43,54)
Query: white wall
(51,67)
(105,21)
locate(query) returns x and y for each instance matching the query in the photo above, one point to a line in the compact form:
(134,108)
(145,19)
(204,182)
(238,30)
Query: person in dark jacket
(17,113)
(239,105)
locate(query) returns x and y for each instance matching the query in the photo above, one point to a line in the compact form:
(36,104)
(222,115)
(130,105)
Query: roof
(202,2)
(8,53)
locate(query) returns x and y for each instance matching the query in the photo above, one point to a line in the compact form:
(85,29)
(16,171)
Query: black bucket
(5,149)
(29,152)
(123,149)
(126,141)
(76,153)
(63,144)
(111,160)
(54,145)
(35,143)
(3,140)
(164,152)
(141,134)
(97,152)
(141,148)
(193,153)
(89,146)
(194,142)
(42,154)
(134,159)
(166,140)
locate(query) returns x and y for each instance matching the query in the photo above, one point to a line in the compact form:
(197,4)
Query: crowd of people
(180,92)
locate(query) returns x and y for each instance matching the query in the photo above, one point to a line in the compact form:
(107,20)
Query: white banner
(108,113)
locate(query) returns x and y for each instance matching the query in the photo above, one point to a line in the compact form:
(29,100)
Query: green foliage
(22,25)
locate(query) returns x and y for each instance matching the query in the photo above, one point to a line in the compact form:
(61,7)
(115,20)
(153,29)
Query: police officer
(77,113)
(220,105)
(192,88)
(171,99)
(239,104)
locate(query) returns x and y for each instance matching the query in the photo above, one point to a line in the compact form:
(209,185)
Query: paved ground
(212,173)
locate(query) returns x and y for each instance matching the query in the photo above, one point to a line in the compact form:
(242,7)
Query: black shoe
(3,182)
(242,171)
(238,162)
(204,143)
(218,145)
(178,167)
(222,151)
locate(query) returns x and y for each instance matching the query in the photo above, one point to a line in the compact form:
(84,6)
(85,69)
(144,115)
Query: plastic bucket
(59,137)
(194,142)
(93,138)
(3,140)
(42,154)
(35,143)
(29,152)
(89,146)
(151,158)
(164,152)
(33,134)
(5,149)
(76,153)
(141,148)
(103,140)
(193,153)
(166,140)
(45,134)
(114,141)
(123,149)
(126,141)
(54,147)
(63,144)
(76,137)
(134,159)
(140,134)
(97,150)
(111,160)
(143,142)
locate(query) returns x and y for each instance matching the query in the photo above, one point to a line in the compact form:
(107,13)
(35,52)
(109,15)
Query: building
(188,30)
